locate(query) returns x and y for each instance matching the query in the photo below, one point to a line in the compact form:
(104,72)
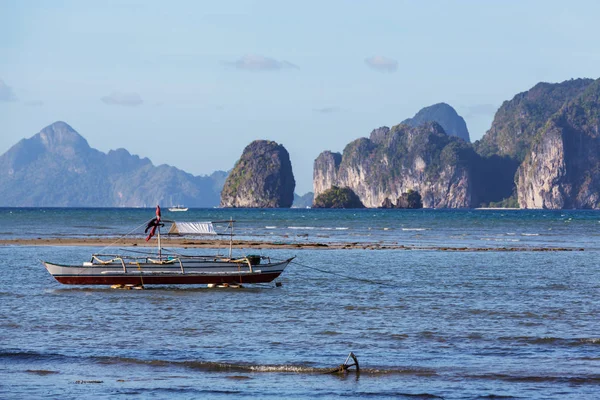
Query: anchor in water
(343,368)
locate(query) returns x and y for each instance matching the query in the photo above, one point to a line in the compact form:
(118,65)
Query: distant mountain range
(303,201)
(57,168)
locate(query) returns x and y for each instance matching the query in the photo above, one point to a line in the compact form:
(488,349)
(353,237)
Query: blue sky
(191,83)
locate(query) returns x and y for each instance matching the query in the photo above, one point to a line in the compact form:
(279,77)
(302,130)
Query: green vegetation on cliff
(518,121)
(509,202)
(337,197)
(402,147)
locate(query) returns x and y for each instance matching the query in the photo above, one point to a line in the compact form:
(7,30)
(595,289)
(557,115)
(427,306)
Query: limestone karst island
(541,151)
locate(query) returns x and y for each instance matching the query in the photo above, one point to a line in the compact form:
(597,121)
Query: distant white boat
(178,208)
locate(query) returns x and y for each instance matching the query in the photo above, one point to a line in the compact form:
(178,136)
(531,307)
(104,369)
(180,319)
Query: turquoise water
(423,323)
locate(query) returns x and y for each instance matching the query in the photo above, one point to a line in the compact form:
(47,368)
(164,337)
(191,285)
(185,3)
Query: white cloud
(255,62)
(6,92)
(382,63)
(123,99)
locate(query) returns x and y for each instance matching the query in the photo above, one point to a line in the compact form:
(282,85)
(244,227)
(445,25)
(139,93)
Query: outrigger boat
(168,267)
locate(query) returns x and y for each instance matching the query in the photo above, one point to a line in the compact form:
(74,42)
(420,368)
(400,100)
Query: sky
(192,83)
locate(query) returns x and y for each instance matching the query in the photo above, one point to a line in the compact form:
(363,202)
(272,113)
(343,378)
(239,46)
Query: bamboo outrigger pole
(230,237)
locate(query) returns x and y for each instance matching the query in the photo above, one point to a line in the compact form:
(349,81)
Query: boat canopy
(192,228)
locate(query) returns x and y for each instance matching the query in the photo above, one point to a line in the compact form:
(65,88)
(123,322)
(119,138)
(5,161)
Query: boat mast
(158,216)
(159,247)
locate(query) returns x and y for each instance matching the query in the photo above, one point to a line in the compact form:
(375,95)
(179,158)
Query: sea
(452,304)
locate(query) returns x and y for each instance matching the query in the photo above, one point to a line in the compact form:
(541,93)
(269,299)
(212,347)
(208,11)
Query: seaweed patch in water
(42,372)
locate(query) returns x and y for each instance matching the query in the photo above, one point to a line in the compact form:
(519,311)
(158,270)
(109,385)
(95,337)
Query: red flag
(152,231)
(153,224)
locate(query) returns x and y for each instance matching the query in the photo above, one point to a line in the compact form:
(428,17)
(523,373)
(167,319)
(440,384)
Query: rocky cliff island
(394,160)
(262,178)
(562,167)
(542,151)
(550,133)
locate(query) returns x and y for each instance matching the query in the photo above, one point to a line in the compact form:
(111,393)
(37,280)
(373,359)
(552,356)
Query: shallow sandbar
(249,244)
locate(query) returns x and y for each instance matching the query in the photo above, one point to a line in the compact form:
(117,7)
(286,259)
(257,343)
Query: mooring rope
(140,269)
(344,276)
(125,235)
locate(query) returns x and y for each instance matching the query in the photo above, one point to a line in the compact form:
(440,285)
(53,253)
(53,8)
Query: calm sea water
(477,324)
